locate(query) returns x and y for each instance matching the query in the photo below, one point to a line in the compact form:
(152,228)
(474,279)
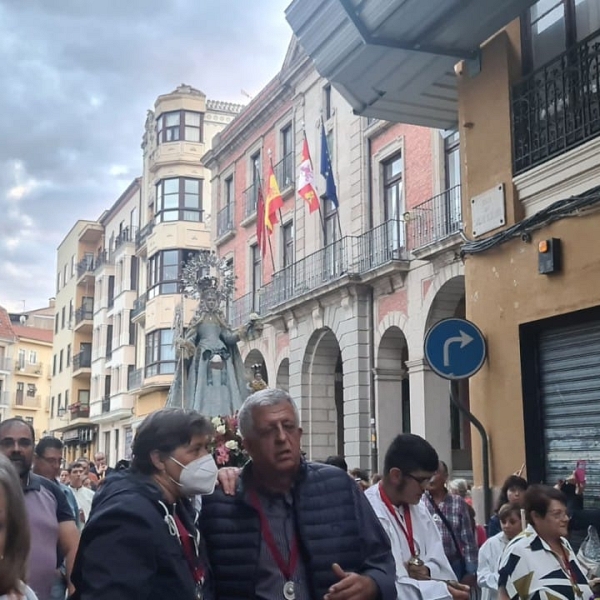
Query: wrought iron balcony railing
(82,360)
(22,399)
(139,305)
(557,107)
(106,404)
(435,219)
(84,313)
(284,171)
(84,266)
(250,195)
(134,379)
(243,307)
(142,234)
(379,246)
(128,234)
(225,219)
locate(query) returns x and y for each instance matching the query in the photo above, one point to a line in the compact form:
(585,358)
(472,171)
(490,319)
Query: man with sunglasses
(422,569)
(51,521)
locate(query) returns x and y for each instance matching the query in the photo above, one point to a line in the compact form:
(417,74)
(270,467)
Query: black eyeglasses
(422,481)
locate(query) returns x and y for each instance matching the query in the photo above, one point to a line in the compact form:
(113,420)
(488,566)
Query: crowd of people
(172,526)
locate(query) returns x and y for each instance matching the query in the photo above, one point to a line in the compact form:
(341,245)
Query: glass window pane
(170,257)
(192,215)
(170,201)
(169,288)
(172,119)
(192,185)
(587,16)
(191,201)
(170,215)
(192,118)
(172,134)
(171,186)
(192,134)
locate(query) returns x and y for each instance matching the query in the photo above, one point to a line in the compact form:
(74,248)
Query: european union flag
(327,170)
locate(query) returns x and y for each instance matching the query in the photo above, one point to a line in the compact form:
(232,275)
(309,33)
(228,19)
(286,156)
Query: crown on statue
(206,271)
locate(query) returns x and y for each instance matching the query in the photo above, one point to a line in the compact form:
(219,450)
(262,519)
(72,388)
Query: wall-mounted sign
(488,211)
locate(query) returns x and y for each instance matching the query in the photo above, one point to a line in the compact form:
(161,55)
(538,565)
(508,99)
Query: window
(60,362)
(83,397)
(286,174)
(179,199)
(21,359)
(552,26)
(54,365)
(67,398)
(65,275)
(32,357)
(228,191)
(327,102)
(62,317)
(180,125)
(452,159)
(72,265)
(31,390)
(58,282)
(164,271)
(52,407)
(393,201)
(29,420)
(111,291)
(133,273)
(288,244)
(20,393)
(160,355)
(256,276)
(134,220)
(109,340)
(69,355)
(56,322)
(59,405)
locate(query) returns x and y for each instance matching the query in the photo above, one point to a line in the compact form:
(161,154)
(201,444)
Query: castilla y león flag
(306,180)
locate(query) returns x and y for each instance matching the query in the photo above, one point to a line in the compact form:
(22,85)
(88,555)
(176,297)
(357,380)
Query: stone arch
(282,380)
(322,412)
(392,387)
(255,357)
(449,302)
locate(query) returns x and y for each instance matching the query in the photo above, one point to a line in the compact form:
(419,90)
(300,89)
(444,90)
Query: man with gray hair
(293,530)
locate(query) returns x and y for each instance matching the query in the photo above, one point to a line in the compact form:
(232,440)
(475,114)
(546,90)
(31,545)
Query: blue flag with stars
(327,170)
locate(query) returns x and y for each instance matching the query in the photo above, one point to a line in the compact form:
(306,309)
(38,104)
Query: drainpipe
(371,317)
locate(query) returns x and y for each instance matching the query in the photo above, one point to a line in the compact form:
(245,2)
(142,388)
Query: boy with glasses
(422,569)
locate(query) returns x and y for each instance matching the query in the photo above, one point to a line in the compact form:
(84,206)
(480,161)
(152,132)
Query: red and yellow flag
(306,180)
(273,203)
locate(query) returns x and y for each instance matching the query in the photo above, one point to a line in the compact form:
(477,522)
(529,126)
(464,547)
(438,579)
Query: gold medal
(415,561)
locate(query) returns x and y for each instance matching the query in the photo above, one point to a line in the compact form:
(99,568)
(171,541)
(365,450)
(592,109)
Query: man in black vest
(293,530)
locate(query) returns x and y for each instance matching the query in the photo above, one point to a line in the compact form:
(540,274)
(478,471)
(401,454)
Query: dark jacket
(335,523)
(126,551)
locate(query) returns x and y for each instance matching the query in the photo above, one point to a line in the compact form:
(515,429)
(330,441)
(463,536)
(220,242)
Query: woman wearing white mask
(141,540)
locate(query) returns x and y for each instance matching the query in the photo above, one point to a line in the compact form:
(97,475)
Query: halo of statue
(210,376)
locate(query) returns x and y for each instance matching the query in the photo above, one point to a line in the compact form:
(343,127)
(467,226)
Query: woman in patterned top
(539,564)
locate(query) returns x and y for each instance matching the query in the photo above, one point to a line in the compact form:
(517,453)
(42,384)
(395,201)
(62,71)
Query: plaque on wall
(488,211)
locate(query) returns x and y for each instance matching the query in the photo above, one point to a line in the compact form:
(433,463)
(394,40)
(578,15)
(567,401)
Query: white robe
(429,543)
(488,564)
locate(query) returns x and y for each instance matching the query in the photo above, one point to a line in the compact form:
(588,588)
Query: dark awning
(394,59)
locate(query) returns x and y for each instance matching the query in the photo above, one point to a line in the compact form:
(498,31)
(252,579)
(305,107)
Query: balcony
(134,379)
(284,172)
(141,236)
(243,307)
(79,411)
(105,404)
(4,399)
(84,316)
(383,245)
(29,402)
(29,369)
(139,308)
(127,236)
(225,220)
(434,225)
(557,107)
(85,268)
(250,197)
(5,364)
(102,258)
(82,363)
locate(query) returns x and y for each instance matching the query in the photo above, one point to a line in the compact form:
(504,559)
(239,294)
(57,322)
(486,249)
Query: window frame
(178,130)
(158,283)
(181,209)
(159,353)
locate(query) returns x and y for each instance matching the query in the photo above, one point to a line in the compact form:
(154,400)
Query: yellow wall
(503,287)
(150,402)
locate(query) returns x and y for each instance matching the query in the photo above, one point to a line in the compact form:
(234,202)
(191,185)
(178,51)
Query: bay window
(180,125)
(160,354)
(179,199)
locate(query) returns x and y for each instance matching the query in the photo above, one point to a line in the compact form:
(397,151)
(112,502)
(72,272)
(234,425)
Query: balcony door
(451,197)
(393,203)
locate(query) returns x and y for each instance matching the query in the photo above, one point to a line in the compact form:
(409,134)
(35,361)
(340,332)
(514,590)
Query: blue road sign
(455,348)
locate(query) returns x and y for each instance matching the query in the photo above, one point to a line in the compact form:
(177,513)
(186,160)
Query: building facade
(346,292)
(8,343)
(520,79)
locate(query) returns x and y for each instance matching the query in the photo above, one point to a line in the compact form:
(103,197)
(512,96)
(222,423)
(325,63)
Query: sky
(77,77)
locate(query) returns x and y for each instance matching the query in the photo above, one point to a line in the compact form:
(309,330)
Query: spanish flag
(273,203)
(306,180)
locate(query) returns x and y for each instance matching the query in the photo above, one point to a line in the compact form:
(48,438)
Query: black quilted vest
(327,527)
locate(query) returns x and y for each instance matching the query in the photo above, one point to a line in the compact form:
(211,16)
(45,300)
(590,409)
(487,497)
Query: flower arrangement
(227,445)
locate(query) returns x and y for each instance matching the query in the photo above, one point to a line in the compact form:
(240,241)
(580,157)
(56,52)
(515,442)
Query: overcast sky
(77,77)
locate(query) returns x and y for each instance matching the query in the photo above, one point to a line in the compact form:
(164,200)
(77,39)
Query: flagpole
(273,169)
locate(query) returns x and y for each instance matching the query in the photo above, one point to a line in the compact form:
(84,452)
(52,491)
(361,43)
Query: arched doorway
(450,302)
(392,388)
(322,410)
(256,361)
(282,380)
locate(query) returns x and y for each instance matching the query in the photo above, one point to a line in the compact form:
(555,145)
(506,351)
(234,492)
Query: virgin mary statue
(210,376)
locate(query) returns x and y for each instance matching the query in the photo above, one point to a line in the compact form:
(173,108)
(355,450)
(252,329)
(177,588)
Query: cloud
(77,80)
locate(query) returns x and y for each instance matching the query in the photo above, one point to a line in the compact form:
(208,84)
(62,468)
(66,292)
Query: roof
(34,333)
(6,328)
(394,59)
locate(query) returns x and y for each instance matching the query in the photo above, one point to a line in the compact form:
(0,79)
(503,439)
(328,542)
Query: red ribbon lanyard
(188,550)
(287,570)
(408,530)
(568,566)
